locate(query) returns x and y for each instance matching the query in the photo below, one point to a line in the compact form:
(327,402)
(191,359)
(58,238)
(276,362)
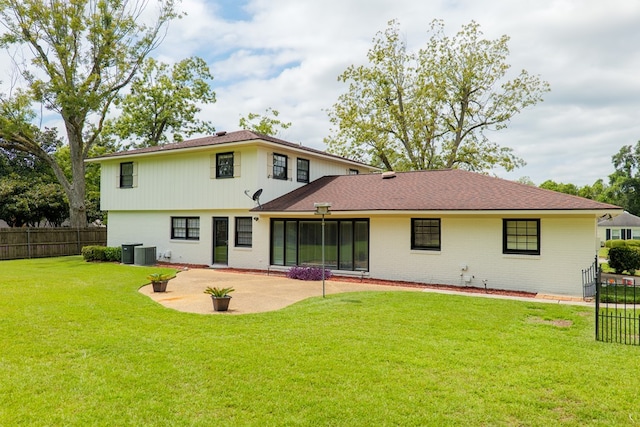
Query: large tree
(83,53)
(29,192)
(625,181)
(430,109)
(163,100)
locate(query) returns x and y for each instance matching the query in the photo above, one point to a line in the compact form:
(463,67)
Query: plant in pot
(220,297)
(159,281)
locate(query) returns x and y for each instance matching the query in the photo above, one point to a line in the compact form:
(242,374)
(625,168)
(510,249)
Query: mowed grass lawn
(80,346)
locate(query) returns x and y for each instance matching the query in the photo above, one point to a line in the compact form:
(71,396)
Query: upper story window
(126,175)
(303,170)
(521,236)
(280,166)
(185,228)
(224,165)
(425,234)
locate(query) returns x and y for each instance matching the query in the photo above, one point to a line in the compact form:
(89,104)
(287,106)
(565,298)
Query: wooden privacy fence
(20,243)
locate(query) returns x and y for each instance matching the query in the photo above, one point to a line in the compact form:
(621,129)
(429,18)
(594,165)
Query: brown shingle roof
(441,190)
(222,138)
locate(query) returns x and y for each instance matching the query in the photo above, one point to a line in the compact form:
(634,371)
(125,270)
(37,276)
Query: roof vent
(221,133)
(388,175)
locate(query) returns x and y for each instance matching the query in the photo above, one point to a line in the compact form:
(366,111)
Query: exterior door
(221,240)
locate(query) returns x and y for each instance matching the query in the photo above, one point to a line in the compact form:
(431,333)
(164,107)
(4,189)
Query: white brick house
(448,227)
(190,200)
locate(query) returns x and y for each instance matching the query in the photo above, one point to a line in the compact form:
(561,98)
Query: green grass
(603,252)
(620,294)
(80,346)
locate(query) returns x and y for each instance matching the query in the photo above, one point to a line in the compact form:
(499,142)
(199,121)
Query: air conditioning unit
(145,255)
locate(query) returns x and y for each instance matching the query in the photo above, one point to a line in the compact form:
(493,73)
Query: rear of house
(192,200)
(246,200)
(442,227)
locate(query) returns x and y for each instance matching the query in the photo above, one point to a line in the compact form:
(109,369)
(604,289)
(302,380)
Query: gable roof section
(625,219)
(437,190)
(221,138)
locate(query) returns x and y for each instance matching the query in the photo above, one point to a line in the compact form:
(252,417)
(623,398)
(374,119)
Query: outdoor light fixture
(322,209)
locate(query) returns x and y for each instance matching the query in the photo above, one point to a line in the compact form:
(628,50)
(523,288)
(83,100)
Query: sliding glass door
(299,242)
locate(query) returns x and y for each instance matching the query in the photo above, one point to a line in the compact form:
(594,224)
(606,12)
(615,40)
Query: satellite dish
(255,197)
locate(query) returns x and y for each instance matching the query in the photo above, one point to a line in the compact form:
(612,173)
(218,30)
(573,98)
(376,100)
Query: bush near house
(618,243)
(102,253)
(624,259)
(308,273)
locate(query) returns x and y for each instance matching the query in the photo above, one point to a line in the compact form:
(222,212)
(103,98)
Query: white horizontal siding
(176,181)
(179,182)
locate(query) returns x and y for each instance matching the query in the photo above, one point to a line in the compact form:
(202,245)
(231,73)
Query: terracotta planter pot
(160,286)
(220,303)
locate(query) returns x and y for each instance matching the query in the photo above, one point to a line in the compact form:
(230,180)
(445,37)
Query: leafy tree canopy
(625,181)
(82,54)
(597,191)
(267,123)
(430,109)
(29,192)
(163,100)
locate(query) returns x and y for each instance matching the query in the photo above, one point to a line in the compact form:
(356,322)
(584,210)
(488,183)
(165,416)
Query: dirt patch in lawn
(560,323)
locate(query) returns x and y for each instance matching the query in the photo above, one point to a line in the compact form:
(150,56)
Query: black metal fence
(590,276)
(617,305)
(617,313)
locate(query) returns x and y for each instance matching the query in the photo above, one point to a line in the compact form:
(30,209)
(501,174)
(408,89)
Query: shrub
(308,273)
(617,243)
(113,253)
(93,253)
(633,243)
(101,253)
(624,259)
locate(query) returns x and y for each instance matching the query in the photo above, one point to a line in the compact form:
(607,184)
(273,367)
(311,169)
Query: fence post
(598,290)
(598,281)
(28,243)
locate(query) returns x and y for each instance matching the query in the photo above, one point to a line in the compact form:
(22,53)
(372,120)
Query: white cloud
(287,54)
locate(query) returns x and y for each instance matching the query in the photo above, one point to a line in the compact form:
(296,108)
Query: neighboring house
(192,200)
(622,227)
(443,227)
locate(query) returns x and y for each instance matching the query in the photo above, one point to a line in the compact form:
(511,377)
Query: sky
(287,55)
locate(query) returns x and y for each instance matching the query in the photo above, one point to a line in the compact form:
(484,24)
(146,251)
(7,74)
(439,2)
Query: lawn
(80,346)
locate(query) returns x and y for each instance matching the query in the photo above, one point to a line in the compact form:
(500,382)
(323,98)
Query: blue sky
(287,55)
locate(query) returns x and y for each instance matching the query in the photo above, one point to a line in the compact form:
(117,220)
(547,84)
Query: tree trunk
(76,191)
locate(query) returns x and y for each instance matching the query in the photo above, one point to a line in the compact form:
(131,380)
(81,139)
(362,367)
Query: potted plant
(220,297)
(159,281)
